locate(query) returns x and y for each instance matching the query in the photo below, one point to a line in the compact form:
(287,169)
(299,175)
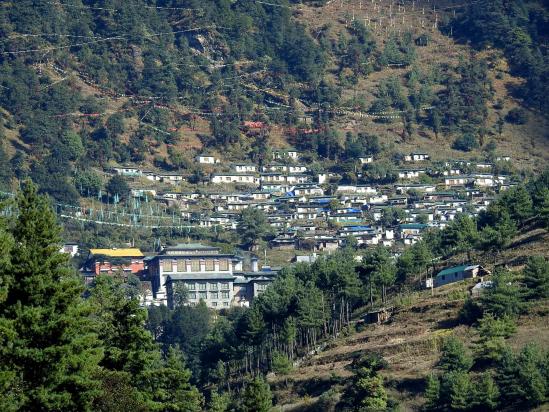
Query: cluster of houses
(184,273)
(318,212)
(310,213)
(190,273)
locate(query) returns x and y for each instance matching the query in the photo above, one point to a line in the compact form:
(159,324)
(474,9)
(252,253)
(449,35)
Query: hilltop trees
(517,28)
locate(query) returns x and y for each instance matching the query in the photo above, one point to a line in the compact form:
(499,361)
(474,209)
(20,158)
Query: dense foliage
(519,28)
(63,352)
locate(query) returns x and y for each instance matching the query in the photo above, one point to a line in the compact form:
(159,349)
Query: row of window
(183,265)
(204,295)
(212,286)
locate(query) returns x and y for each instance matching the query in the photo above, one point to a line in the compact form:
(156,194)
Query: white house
(220,178)
(280,154)
(410,173)
(356,189)
(450,181)
(486,180)
(297,169)
(206,159)
(503,158)
(127,171)
(308,190)
(70,249)
(365,159)
(416,157)
(244,168)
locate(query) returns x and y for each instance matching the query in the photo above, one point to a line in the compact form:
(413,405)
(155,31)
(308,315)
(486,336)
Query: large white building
(194,272)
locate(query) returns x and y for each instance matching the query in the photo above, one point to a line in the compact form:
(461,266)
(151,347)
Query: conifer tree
(170,385)
(454,356)
(456,389)
(53,355)
(219,402)
(536,277)
(366,392)
(131,355)
(503,297)
(493,333)
(257,396)
(432,392)
(487,393)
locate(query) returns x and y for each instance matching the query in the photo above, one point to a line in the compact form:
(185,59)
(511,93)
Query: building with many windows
(193,272)
(201,271)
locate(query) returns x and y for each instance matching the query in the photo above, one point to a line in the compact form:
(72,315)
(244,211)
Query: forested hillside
(260,196)
(89,83)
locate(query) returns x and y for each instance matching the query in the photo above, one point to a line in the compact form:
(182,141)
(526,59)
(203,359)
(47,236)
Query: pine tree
(487,393)
(532,374)
(129,347)
(366,392)
(454,356)
(257,396)
(252,226)
(455,390)
(493,333)
(170,385)
(536,277)
(131,355)
(9,395)
(432,392)
(219,402)
(54,353)
(503,298)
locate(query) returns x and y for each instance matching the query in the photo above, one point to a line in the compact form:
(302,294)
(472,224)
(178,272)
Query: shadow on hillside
(529,239)
(411,385)
(447,323)
(315,387)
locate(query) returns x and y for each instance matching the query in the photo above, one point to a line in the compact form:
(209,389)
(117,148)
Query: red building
(111,261)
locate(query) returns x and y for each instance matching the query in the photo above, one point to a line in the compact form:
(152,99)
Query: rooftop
(127,252)
(455,269)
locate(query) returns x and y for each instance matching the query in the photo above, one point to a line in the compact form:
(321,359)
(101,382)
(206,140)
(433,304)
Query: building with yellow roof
(111,261)
(124,252)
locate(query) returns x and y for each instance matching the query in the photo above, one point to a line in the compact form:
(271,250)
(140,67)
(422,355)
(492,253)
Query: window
(224,286)
(202,286)
(213,295)
(214,304)
(224,295)
(209,265)
(212,286)
(167,266)
(225,304)
(192,295)
(181,266)
(224,264)
(195,265)
(190,286)
(202,295)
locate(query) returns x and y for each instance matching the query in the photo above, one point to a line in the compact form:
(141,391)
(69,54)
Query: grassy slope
(411,340)
(527,144)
